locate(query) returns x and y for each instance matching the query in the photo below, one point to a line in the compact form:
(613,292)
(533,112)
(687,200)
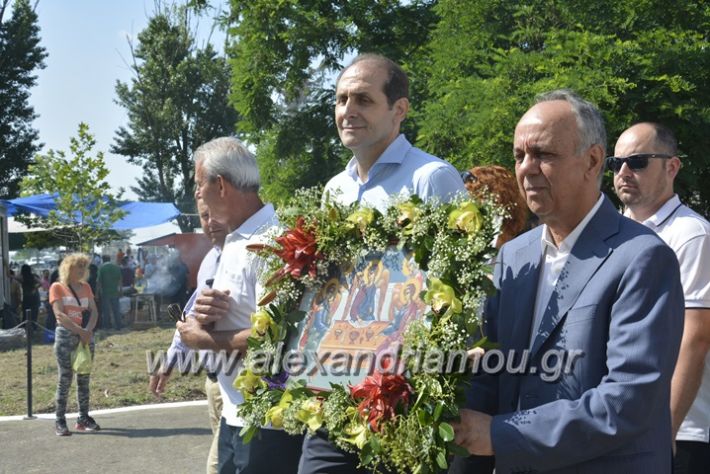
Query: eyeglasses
(635,162)
(176,313)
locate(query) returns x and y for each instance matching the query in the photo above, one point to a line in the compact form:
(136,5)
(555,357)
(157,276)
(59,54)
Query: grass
(119,376)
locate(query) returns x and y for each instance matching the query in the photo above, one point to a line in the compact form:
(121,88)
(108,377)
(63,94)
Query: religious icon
(362,312)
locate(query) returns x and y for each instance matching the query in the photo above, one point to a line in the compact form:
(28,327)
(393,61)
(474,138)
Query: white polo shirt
(688,234)
(239,272)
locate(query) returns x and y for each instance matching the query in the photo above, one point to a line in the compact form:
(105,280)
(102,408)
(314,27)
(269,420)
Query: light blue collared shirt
(401,170)
(208,269)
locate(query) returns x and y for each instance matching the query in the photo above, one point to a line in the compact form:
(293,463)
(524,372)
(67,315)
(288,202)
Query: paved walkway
(169,438)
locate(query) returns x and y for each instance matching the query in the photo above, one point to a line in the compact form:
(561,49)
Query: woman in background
(482,181)
(75,309)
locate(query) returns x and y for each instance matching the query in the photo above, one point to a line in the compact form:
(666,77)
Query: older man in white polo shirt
(227,180)
(645,165)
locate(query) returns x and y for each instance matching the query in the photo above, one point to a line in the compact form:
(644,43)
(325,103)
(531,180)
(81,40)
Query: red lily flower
(298,250)
(381,393)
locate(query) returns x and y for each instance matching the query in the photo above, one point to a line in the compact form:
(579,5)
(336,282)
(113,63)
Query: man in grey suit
(587,280)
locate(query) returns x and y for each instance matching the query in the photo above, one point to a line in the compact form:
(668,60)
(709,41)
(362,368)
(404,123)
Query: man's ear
(673,166)
(596,160)
(401,107)
(222,185)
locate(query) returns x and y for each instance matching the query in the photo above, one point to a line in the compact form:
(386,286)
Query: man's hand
(157,383)
(212,305)
(192,333)
(473,432)
(475,355)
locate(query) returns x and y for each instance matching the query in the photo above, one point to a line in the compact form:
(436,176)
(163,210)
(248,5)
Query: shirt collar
(571,239)
(393,154)
(255,222)
(663,212)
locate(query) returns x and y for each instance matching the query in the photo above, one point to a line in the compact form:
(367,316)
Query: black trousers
(691,457)
(269,452)
(472,465)
(320,456)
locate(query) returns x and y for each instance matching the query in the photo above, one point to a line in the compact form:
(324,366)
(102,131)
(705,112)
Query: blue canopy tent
(138,214)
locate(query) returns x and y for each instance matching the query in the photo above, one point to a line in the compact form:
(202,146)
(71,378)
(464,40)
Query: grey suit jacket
(619,301)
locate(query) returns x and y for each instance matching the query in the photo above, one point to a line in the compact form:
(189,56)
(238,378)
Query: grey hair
(229,158)
(590,122)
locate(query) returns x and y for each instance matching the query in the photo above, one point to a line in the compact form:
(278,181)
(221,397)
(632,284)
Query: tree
(284,58)
(20,56)
(85,207)
(636,60)
(176,101)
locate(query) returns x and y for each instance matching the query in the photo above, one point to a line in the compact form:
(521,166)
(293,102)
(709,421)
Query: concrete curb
(109,411)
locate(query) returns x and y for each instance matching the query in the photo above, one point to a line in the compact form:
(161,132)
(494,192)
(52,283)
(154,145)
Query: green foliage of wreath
(379,418)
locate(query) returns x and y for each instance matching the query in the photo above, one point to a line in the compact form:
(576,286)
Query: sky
(88,51)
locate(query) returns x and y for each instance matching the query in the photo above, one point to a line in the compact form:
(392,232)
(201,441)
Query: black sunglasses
(635,162)
(176,313)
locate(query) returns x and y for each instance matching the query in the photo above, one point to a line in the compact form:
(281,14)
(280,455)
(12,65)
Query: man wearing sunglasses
(644,166)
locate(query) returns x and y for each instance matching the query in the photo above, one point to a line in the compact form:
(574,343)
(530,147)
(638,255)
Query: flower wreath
(380,417)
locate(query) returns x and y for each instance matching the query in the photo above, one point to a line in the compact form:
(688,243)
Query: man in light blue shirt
(371,104)
(372,100)
(208,269)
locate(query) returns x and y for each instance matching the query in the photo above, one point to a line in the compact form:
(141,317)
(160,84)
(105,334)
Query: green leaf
(446,432)
(441,460)
(437,411)
(247,433)
(366,454)
(376,446)
(253,343)
(458,450)
(296,316)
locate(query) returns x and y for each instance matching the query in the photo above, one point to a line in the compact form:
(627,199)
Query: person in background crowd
(645,166)
(44,281)
(119,256)
(30,292)
(109,291)
(482,181)
(55,273)
(15,292)
(139,280)
(72,300)
(128,277)
(140,257)
(93,274)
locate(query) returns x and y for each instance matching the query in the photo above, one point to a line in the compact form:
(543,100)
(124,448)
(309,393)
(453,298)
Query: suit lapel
(588,254)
